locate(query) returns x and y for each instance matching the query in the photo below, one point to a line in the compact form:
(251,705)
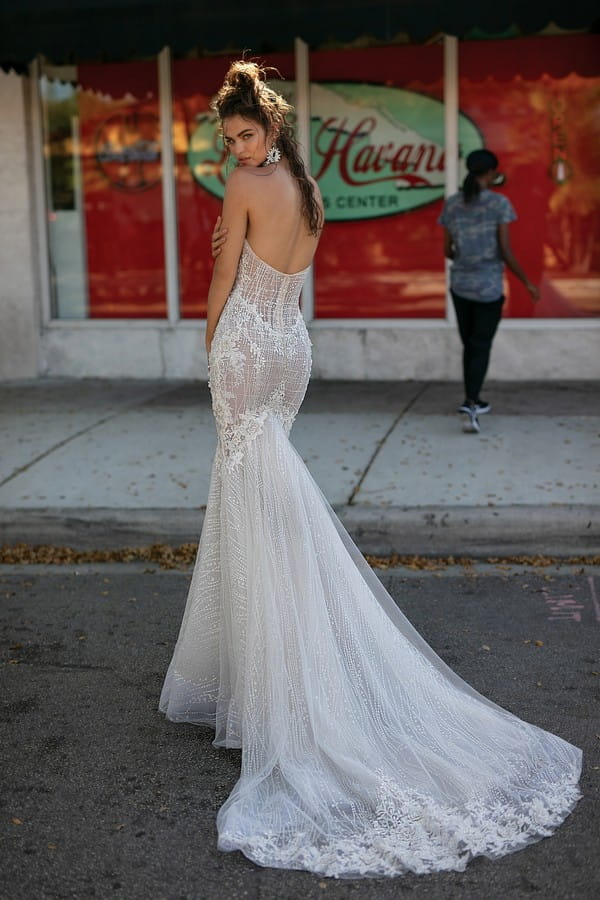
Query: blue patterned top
(477,268)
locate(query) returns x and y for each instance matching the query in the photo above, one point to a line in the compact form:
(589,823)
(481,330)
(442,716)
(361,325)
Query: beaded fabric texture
(363,754)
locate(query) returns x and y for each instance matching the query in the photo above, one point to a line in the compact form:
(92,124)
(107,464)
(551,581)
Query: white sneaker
(481,407)
(471,423)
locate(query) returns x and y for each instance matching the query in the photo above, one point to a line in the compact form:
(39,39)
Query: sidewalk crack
(139,401)
(406,408)
(50,450)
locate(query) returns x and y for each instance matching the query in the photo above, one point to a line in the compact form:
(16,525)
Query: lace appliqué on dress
(260,357)
(236,433)
(411,832)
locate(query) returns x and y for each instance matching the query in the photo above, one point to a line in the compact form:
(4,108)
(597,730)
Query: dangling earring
(273,156)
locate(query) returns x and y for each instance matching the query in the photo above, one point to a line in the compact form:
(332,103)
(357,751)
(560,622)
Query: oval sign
(376,150)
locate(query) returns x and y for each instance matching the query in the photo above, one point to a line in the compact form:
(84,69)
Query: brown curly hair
(245,93)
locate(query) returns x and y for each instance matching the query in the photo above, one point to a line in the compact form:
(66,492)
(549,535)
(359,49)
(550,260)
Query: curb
(477,532)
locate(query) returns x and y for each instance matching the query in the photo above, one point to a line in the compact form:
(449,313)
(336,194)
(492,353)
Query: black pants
(477,324)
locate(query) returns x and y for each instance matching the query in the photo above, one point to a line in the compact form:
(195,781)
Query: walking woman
(476,239)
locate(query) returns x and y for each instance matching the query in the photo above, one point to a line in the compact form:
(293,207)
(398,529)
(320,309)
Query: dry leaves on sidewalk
(183,556)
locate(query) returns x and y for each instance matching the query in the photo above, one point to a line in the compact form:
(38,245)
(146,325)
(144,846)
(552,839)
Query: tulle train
(363,754)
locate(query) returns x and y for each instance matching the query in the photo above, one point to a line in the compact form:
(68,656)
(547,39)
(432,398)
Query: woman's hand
(534,291)
(219,236)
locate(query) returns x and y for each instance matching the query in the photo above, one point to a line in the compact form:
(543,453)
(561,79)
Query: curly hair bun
(245,76)
(245,92)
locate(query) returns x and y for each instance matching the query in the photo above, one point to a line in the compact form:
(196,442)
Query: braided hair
(245,93)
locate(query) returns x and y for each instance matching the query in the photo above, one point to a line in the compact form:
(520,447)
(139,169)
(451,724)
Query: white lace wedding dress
(362,752)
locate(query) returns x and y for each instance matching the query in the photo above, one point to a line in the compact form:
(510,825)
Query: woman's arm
(448,244)
(512,262)
(235,219)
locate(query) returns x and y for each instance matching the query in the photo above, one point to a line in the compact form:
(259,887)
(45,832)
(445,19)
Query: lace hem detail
(413,833)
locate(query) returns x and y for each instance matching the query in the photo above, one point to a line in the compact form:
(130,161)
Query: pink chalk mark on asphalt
(562,606)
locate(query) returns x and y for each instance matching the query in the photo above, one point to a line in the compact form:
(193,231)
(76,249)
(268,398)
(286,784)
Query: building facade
(112,175)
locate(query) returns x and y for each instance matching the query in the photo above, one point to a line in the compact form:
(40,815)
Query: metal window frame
(169,186)
(40,198)
(451,113)
(302,77)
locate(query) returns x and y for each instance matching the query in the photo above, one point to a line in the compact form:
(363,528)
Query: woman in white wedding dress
(363,754)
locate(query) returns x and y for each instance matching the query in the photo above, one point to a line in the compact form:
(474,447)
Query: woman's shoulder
(243,177)
(453,200)
(493,198)
(236,182)
(500,205)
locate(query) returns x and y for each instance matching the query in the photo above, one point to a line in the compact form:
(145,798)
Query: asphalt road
(103,798)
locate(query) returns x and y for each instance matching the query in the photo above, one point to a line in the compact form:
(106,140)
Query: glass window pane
(66,225)
(378,155)
(540,117)
(104,193)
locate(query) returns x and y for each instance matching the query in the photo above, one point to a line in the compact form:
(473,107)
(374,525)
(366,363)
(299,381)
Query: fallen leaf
(16,821)
(539,643)
(52,846)
(485,647)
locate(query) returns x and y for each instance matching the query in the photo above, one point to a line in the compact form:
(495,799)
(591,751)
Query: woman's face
(246,140)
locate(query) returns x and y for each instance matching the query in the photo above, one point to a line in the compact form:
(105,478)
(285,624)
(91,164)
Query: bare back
(277,229)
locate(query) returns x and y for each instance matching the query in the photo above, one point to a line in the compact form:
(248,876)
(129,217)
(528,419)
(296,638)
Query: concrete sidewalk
(104,463)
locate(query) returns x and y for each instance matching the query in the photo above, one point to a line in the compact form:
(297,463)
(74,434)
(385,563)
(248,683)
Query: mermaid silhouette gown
(362,752)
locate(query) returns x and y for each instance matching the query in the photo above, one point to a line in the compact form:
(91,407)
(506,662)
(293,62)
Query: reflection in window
(104,193)
(66,224)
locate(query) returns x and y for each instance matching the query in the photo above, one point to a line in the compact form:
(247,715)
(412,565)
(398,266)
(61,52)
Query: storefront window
(378,155)
(377,132)
(377,149)
(540,116)
(104,196)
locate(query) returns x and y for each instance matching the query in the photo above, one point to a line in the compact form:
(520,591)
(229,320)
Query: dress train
(363,754)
